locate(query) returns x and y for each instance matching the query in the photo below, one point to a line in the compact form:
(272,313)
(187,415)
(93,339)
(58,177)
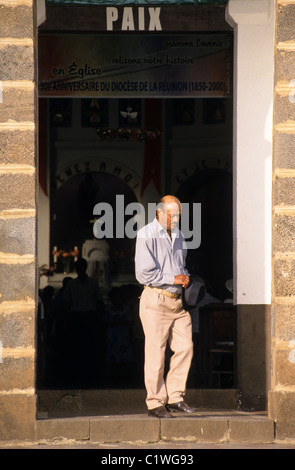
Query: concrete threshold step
(58,403)
(120,416)
(205,426)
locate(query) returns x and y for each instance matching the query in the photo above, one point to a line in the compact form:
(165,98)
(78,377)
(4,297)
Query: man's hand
(181,279)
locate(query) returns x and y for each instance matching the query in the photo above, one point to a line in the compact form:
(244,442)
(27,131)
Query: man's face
(169,216)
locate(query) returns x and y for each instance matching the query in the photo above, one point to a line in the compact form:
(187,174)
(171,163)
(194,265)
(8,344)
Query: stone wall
(18,265)
(17,218)
(282,397)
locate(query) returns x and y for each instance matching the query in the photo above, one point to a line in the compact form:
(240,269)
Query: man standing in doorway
(160,266)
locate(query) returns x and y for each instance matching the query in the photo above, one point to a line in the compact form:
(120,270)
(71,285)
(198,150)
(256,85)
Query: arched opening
(105,349)
(72,216)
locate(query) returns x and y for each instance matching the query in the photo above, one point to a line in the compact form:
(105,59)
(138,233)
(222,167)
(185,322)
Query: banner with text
(91,65)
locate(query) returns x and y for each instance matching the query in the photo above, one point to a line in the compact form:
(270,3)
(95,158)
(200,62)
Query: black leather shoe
(182,407)
(160,412)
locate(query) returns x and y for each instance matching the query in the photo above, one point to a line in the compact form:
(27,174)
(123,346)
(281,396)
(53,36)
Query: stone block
(57,429)
(284,277)
(284,108)
(282,411)
(256,430)
(18,235)
(201,429)
(284,150)
(125,429)
(283,232)
(17,104)
(17,330)
(16,22)
(17,191)
(285,23)
(17,62)
(17,373)
(17,417)
(17,282)
(284,322)
(284,191)
(285,66)
(17,147)
(284,360)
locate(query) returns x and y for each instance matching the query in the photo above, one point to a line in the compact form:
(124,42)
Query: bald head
(168,212)
(170,200)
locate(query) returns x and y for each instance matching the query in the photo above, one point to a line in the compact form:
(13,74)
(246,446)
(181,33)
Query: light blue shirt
(158,258)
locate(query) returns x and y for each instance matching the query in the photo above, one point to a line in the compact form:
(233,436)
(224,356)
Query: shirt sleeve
(184,256)
(147,268)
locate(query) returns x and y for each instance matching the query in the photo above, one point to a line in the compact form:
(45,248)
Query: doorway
(82,147)
(195,156)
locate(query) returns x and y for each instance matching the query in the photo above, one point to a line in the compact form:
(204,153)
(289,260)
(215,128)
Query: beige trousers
(164,320)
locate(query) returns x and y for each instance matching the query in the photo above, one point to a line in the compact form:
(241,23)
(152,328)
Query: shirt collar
(161,230)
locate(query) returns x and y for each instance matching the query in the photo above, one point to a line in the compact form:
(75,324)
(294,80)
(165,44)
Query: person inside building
(58,314)
(160,266)
(119,353)
(84,307)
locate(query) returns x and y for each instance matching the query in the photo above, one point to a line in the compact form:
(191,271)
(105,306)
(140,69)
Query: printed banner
(139,2)
(88,65)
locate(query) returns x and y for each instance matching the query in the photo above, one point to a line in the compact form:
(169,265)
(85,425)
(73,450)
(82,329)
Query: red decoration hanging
(152,151)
